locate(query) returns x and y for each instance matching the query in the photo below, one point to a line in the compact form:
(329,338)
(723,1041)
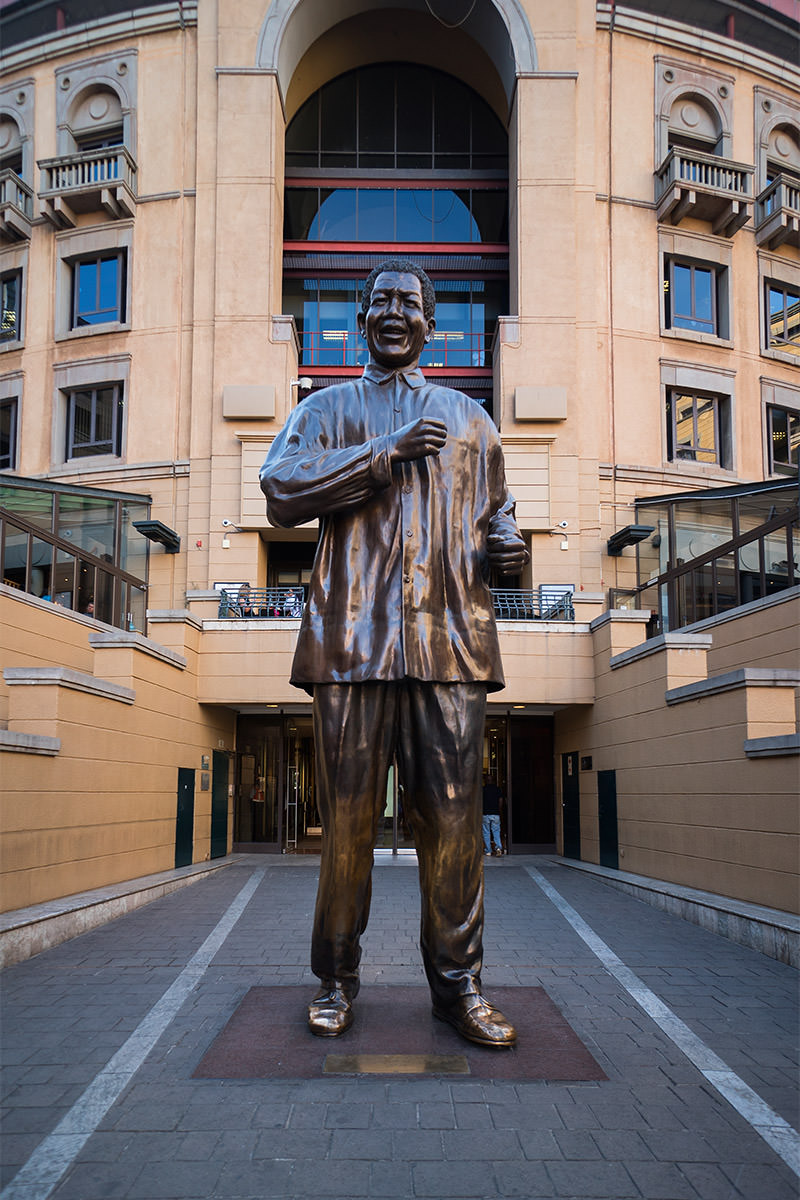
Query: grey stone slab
(334,1178)
(348,1116)
(597,1179)
(417,1145)
(451,1179)
(522,1179)
(489,1144)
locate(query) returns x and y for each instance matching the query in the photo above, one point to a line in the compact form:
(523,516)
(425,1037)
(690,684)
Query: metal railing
(88,168)
(14,191)
(345,348)
(548,602)
(706,171)
(782,193)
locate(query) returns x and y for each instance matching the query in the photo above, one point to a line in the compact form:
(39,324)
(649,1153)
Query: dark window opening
(783,318)
(694,297)
(697,428)
(783,432)
(94,421)
(9,409)
(10,306)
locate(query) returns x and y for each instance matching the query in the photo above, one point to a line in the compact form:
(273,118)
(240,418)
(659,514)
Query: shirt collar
(376,374)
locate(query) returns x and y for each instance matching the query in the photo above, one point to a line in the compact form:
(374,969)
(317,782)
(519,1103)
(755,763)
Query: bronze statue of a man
(398,643)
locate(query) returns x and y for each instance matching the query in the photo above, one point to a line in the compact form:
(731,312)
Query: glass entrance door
(302,832)
(394,831)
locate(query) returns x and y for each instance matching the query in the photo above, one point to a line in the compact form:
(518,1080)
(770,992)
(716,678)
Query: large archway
(442,32)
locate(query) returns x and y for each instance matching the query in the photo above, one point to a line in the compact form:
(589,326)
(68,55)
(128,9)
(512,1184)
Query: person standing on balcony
(398,643)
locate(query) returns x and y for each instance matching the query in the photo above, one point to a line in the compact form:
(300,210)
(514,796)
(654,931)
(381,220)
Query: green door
(219,806)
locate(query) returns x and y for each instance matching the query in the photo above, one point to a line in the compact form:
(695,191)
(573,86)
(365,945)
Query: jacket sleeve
(305,477)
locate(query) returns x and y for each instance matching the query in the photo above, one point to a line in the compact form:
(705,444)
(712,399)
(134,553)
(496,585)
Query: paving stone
(489,1145)
(453,1179)
(597,1179)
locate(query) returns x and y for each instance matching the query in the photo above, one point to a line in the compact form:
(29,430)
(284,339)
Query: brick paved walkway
(656,1129)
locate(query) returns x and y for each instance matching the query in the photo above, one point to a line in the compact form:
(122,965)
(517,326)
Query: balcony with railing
(16,207)
(778,213)
(690,183)
(88,181)
(548,602)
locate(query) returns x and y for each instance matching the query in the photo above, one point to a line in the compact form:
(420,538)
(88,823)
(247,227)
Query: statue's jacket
(399,586)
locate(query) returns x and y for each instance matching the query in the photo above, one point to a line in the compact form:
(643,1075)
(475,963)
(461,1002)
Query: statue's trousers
(436,731)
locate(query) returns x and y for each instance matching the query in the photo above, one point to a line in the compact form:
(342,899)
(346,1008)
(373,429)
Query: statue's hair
(405,266)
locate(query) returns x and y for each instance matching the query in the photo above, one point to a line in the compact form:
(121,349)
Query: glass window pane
(104,415)
(41,567)
(703,301)
(64,578)
(338,116)
(134,545)
(9,318)
(489,138)
(776,561)
(87,292)
(701,527)
(681,290)
(81,414)
(451,105)
(451,217)
(376,112)
(8,434)
(414,215)
(684,420)
(136,609)
(490,213)
(415,113)
(87,522)
(300,208)
(376,215)
(103,600)
(336,219)
(15,555)
(302,135)
(109,276)
(33,506)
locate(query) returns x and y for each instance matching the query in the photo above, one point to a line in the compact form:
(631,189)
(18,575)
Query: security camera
(563,524)
(225,522)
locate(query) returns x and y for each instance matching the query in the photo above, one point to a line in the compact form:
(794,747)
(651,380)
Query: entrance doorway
(275,807)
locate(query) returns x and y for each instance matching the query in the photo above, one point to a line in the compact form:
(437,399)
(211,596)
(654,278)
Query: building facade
(608,202)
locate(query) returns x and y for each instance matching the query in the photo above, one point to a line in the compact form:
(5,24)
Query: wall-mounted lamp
(628,536)
(157,531)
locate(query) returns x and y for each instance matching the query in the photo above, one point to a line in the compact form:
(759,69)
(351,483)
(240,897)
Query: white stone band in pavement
(53,1157)
(778,1133)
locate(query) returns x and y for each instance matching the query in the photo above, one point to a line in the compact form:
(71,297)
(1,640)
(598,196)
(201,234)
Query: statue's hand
(508,554)
(418,439)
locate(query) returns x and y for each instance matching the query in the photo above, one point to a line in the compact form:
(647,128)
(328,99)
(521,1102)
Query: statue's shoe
(478,1021)
(330,1013)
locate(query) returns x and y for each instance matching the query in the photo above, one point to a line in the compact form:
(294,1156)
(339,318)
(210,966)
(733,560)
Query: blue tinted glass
(376,215)
(336,219)
(703,308)
(775,301)
(414,216)
(453,343)
(87,290)
(109,269)
(681,290)
(451,219)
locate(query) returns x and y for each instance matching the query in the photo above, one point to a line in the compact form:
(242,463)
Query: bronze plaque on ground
(268,1038)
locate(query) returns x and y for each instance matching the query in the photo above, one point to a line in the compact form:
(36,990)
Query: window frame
(12,404)
(77,246)
(14,272)
(117,420)
(777,346)
(793,414)
(682,251)
(120,256)
(695,447)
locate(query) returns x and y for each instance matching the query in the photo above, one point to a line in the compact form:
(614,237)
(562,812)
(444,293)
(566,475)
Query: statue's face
(395,324)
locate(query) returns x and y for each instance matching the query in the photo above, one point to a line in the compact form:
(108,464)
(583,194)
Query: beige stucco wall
(693,807)
(102,809)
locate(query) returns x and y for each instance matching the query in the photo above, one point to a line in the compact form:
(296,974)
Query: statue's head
(405,266)
(396,318)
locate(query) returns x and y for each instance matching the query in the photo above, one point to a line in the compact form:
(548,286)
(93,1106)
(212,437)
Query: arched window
(96,119)
(694,125)
(397,160)
(10,145)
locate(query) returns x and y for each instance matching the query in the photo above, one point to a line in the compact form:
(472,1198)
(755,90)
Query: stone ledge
(79,681)
(130,640)
(29,743)
(679,640)
(773,747)
(732,681)
(769,930)
(28,931)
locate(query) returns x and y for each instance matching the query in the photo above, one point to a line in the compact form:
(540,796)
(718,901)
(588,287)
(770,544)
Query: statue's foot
(477,1021)
(330,1013)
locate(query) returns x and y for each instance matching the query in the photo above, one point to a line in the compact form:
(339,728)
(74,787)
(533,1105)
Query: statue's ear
(431,327)
(361,321)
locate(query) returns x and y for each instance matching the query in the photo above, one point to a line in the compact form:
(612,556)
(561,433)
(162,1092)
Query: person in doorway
(492,797)
(398,643)
(243,602)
